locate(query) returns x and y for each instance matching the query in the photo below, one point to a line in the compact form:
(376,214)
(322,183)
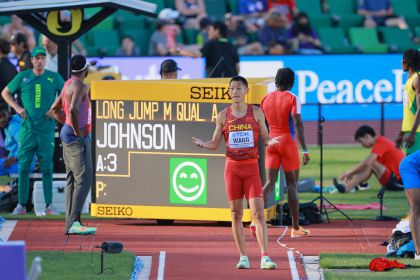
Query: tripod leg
(326,213)
(335,207)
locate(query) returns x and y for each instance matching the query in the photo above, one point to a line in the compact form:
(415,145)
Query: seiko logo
(115,211)
(215,93)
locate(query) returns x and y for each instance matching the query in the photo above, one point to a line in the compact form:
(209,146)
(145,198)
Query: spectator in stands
(17,26)
(302,36)
(286,8)
(238,35)
(52,54)
(171,29)
(252,13)
(379,13)
(21,51)
(169,69)
(158,45)
(273,35)
(383,161)
(38,89)
(128,47)
(222,59)
(192,11)
(7,69)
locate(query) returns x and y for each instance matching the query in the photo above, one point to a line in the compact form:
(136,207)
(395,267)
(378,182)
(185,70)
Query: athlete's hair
(78,64)
(239,79)
(3,109)
(4,46)
(411,58)
(223,31)
(363,130)
(285,79)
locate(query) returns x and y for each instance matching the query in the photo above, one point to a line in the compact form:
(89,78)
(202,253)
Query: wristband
(305,152)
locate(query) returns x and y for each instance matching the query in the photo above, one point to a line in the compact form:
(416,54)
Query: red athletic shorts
(242,177)
(284,153)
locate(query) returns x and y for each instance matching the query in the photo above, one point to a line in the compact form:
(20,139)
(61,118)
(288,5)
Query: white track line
(144,273)
(6,230)
(292,264)
(161,269)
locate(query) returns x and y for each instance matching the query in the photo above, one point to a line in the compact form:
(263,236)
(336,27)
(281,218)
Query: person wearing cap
(20,48)
(37,89)
(72,109)
(169,69)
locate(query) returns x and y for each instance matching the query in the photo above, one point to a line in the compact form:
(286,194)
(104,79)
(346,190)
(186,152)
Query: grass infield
(339,266)
(82,265)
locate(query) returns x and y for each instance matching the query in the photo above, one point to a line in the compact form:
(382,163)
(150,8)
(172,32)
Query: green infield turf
(338,266)
(82,265)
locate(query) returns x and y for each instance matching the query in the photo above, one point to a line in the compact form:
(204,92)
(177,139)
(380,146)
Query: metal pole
(382,118)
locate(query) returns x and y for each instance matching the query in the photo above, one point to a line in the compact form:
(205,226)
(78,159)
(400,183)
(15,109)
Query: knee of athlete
(258,214)
(416,209)
(236,214)
(46,168)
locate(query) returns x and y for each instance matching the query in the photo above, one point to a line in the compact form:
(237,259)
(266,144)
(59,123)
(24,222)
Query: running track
(197,250)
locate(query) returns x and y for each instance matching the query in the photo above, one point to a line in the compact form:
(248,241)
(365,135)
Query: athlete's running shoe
(253,229)
(243,263)
(300,232)
(340,187)
(267,263)
(19,210)
(51,210)
(78,228)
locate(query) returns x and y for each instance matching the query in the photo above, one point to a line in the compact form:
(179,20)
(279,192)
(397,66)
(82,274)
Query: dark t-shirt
(220,54)
(24,61)
(7,72)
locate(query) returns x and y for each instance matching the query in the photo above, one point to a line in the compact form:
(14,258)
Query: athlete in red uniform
(283,112)
(241,125)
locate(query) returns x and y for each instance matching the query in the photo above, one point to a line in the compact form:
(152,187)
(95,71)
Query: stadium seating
(397,39)
(334,40)
(216,8)
(409,9)
(367,40)
(344,12)
(313,9)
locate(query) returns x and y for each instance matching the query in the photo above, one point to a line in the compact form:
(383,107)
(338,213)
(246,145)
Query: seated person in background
(193,11)
(128,47)
(302,36)
(10,124)
(158,44)
(238,35)
(171,29)
(379,13)
(285,8)
(273,35)
(383,161)
(252,13)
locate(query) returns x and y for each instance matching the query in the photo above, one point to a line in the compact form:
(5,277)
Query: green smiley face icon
(188,181)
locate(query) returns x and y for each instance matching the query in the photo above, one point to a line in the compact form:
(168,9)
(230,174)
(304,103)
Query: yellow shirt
(410,105)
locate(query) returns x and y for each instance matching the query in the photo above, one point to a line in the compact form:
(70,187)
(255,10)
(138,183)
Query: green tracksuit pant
(43,146)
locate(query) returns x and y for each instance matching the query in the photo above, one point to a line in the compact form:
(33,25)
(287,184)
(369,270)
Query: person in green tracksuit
(37,89)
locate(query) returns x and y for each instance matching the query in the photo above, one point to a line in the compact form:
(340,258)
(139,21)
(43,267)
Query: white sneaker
(51,210)
(243,263)
(267,263)
(19,210)
(416,257)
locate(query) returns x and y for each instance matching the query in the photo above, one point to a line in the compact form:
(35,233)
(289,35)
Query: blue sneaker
(267,263)
(243,263)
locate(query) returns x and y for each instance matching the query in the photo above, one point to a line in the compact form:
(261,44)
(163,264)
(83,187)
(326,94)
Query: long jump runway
(201,250)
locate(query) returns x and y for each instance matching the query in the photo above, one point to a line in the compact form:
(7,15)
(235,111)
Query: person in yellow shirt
(409,136)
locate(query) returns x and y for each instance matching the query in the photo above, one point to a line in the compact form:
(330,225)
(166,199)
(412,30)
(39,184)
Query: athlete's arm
(412,136)
(214,143)
(7,96)
(359,167)
(56,110)
(79,92)
(260,118)
(297,121)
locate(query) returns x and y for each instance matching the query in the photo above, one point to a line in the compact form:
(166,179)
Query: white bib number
(241,139)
